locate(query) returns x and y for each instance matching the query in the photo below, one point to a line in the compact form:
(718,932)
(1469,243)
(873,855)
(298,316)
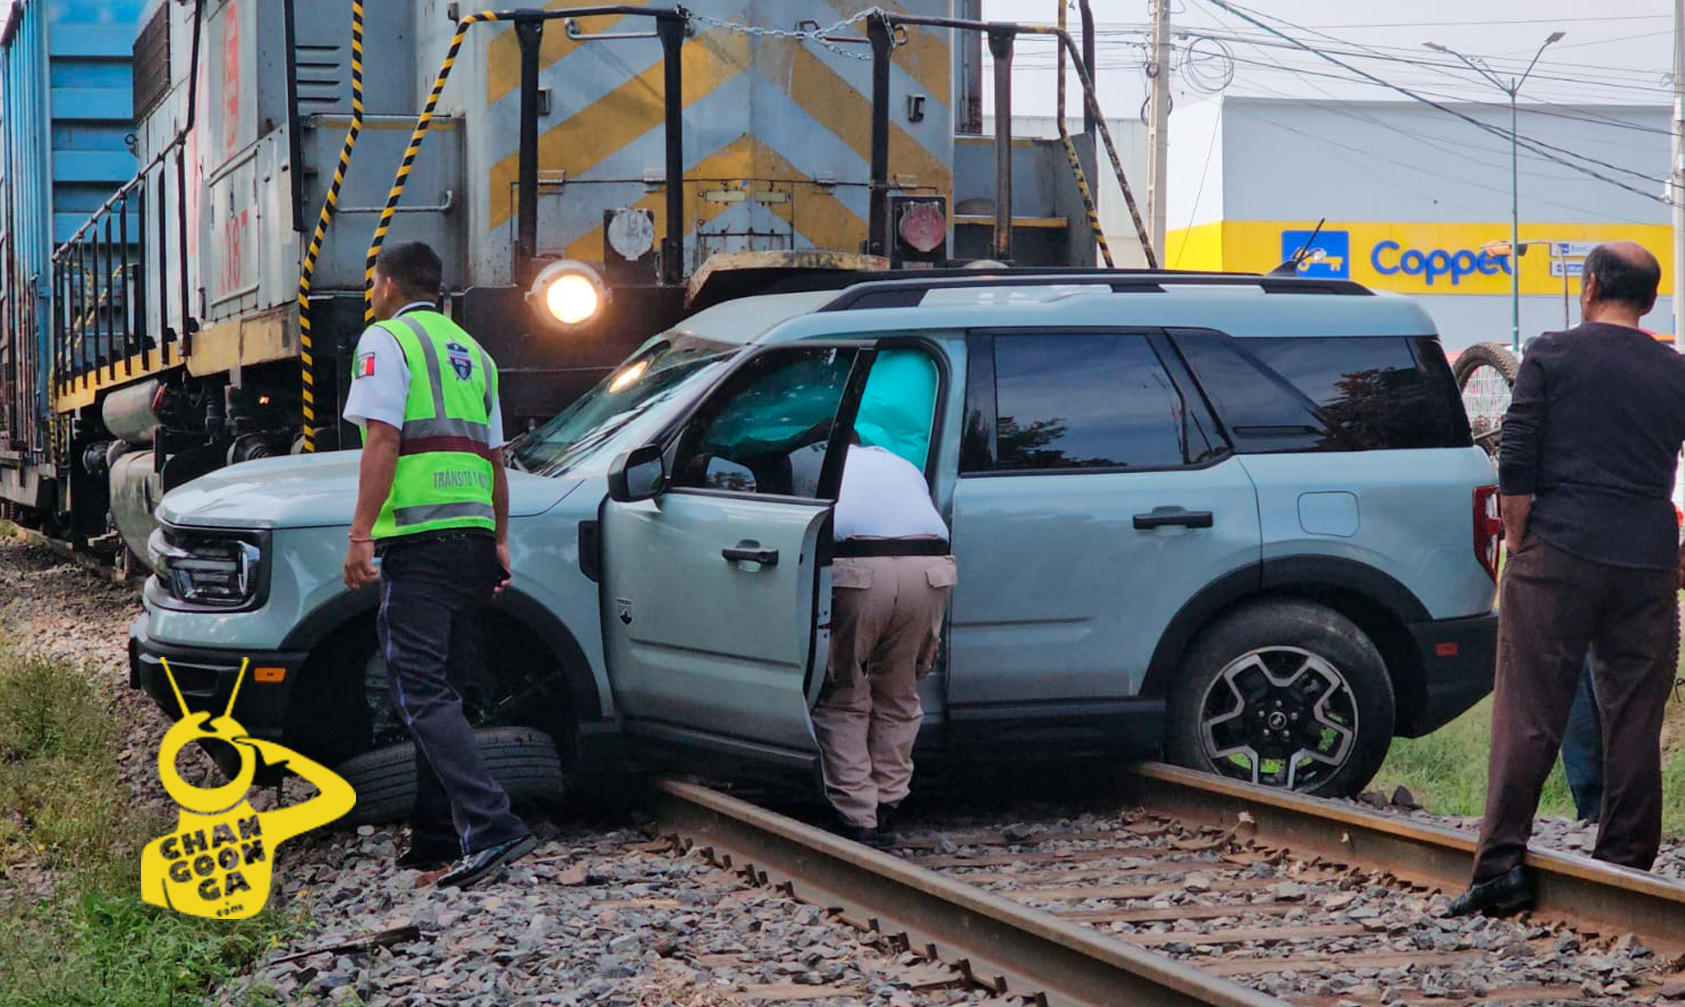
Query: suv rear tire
(1283,693)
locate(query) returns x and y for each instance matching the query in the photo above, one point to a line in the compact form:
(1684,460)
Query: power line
(1430,140)
(1405,54)
(1538,147)
(1458,24)
(1438,144)
(1439,197)
(1636,79)
(1193,214)
(1426,63)
(1536,107)
(1618,38)
(1414,55)
(1547,110)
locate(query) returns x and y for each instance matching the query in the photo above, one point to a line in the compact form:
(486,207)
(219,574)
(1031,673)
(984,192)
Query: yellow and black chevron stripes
(618,118)
(416,137)
(1087,192)
(1077,171)
(307,347)
(503,52)
(1092,102)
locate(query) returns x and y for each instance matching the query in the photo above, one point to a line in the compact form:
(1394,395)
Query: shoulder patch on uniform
(365,366)
(462,361)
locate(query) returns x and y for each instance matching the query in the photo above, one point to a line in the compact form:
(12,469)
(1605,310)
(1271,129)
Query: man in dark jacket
(1591,446)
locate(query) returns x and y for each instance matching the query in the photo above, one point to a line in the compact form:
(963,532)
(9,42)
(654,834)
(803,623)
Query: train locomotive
(589,174)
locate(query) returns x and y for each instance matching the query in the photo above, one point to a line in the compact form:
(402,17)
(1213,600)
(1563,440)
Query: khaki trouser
(886,625)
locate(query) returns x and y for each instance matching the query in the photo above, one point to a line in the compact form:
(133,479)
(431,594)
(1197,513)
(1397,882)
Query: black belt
(864,548)
(385,545)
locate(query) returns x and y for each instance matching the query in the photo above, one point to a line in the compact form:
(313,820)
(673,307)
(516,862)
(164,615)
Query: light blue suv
(1236,520)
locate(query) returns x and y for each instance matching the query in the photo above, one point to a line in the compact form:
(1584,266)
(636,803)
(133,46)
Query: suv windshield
(629,405)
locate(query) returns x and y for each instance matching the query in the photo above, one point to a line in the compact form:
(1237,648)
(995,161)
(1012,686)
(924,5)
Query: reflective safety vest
(444,475)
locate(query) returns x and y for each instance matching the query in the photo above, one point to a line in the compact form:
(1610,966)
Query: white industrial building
(1411,194)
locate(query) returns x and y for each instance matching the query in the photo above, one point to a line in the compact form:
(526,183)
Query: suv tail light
(1488,529)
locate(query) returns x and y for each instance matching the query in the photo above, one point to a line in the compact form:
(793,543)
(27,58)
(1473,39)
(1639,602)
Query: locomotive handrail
(99,315)
(1001,35)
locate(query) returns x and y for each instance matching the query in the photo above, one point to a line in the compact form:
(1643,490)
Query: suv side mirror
(639,474)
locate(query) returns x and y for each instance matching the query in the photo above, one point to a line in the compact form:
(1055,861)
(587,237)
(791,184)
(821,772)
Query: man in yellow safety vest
(433,503)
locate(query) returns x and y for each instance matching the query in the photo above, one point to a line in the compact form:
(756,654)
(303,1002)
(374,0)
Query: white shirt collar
(415,306)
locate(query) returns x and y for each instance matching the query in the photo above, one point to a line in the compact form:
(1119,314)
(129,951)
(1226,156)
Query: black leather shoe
(429,856)
(860,834)
(886,826)
(1501,896)
(475,867)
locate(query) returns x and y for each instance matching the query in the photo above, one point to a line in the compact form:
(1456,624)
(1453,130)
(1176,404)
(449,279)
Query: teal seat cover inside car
(898,404)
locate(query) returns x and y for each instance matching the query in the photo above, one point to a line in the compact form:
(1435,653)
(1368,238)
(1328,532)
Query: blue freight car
(66,115)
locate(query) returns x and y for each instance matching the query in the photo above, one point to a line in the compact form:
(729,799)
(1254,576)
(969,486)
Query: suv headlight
(207,569)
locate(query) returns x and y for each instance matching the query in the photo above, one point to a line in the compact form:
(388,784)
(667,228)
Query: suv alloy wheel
(1284,693)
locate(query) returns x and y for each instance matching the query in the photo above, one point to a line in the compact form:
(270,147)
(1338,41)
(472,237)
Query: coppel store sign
(1388,262)
(1437,265)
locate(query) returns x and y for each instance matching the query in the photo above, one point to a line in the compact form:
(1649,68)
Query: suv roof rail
(902,291)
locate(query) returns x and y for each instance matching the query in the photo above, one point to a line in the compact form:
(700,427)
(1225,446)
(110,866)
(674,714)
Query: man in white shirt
(891,579)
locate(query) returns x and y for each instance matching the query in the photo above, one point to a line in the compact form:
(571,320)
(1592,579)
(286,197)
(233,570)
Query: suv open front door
(716,589)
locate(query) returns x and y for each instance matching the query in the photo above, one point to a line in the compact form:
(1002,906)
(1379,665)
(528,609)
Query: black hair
(414,266)
(1629,280)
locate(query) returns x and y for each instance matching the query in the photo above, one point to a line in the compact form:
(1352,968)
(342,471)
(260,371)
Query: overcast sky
(1615,51)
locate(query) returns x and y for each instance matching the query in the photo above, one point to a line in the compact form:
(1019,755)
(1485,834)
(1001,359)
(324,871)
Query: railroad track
(1196,890)
(63,550)
(986,941)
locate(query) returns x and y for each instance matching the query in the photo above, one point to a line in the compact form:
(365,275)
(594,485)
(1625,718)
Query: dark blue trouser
(429,590)
(1582,749)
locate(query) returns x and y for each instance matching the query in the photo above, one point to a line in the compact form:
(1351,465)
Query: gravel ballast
(604,915)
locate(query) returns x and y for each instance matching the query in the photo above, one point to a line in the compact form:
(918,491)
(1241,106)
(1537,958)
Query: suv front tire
(1284,693)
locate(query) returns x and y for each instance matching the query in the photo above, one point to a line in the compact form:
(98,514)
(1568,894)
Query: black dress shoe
(1501,896)
(475,867)
(886,826)
(861,834)
(429,856)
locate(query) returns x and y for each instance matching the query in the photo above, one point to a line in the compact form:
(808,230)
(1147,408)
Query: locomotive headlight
(567,294)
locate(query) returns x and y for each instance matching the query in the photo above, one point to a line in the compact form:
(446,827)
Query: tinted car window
(1074,402)
(1359,393)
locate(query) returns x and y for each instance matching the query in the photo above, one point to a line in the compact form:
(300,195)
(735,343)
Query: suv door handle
(1174,517)
(751,552)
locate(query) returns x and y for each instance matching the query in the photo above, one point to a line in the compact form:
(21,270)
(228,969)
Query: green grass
(73,926)
(1446,772)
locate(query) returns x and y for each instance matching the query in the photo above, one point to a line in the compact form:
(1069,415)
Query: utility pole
(1513,89)
(1677,194)
(1678,175)
(1158,125)
(1515,218)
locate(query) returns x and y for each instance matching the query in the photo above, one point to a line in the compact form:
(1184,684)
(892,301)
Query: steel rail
(1009,948)
(1590,893)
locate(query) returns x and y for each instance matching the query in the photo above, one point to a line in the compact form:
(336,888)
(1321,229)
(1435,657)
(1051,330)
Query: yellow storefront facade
(1416,199)
(1412,258)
